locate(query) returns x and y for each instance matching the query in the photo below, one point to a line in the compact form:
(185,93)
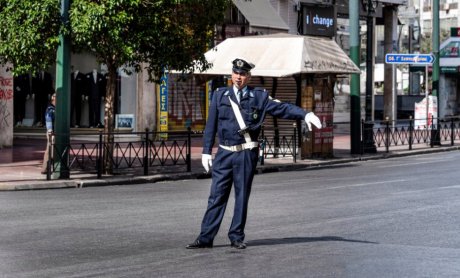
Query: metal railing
(389,134)
(146,150)
(278,145)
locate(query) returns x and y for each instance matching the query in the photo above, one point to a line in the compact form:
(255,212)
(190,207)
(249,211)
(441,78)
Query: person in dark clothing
(77,89)
(49,121)
(42,89)
(236,115)
(95,84)
(21,91)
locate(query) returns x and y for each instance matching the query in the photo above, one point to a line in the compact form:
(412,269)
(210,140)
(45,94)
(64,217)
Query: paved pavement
(20,165)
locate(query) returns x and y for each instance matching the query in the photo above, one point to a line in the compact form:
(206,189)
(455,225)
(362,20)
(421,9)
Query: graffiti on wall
(6,108)
(187,104)
(6,96)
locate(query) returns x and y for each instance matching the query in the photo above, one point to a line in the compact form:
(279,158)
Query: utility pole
(368,127)
(62,121)
(435,136)
(355,102)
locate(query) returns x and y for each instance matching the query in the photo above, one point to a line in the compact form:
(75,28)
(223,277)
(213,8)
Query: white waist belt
(238,148)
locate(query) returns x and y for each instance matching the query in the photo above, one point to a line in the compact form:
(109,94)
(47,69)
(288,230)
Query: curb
(130,180)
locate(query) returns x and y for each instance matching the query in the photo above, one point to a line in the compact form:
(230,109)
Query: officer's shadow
(296,240)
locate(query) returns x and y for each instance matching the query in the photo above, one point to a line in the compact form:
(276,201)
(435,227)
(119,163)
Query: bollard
(99,157)
(432,132)
(294,152)
(50,146)
(189,149)
(411,131)
(387,135)
(146,152)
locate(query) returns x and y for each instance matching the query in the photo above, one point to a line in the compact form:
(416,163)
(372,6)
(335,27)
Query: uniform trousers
(229,168)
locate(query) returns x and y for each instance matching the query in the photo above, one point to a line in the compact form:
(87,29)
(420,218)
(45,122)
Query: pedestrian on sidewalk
(236,115)
(49,120)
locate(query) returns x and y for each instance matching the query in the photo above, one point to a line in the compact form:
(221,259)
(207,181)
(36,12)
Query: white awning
(280,55)
(260,13)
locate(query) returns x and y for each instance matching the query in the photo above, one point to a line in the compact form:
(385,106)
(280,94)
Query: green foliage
(426,42)
(159,33)
(30,33)
(172,33)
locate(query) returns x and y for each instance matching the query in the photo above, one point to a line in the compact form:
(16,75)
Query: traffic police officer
(236,115)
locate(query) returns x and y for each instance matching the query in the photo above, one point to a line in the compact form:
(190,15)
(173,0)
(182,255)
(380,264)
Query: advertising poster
(324,137)
(422,113)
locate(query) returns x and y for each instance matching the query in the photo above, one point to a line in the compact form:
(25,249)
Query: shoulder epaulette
(259,89)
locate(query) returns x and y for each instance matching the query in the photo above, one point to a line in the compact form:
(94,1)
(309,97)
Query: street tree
(29,35)
(149,35)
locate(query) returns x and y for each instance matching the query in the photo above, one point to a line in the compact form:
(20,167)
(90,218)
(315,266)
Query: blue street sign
(417,59)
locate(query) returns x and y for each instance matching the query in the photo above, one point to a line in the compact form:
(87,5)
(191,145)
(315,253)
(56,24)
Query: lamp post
(368,139)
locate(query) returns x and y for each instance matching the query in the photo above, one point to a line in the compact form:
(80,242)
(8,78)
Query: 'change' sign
(319,21)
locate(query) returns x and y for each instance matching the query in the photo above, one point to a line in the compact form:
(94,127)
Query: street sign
(418,59)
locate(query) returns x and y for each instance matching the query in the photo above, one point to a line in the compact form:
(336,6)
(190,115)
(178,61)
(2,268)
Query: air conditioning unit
(445,6)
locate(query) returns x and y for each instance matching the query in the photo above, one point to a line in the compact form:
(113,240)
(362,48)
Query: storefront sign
(164,105)
(319,21)
(449,69)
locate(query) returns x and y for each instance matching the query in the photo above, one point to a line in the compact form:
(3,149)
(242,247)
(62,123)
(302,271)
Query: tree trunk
(109,118)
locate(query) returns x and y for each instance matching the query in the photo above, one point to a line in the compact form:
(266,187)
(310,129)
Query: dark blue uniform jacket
(254,105)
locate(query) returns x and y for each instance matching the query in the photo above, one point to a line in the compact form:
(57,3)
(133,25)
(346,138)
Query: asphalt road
(384,218)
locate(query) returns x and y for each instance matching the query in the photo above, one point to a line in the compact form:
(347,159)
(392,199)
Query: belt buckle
(238,148)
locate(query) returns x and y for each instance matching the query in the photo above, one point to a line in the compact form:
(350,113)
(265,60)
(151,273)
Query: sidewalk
(20,165)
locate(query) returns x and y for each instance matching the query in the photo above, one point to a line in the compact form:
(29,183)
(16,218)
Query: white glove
(206,160)
(311,118)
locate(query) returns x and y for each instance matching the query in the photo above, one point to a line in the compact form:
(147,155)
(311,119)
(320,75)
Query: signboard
(422,113)
(418,59)
(319,21)
(164,105)
(324,137)
(124,121)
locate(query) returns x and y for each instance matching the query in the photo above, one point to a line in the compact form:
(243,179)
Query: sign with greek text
(164,105)
(417,59)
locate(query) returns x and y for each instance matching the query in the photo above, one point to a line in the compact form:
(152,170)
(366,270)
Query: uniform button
(226,142)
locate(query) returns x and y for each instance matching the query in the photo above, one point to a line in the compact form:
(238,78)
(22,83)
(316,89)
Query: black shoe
(238,245)
(198,244)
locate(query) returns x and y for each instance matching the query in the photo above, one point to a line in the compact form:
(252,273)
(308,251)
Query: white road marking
(365,184)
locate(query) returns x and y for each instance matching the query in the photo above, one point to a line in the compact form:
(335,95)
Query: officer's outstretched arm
(310,119)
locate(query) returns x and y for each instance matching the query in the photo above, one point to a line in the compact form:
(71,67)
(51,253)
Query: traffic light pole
(435,135)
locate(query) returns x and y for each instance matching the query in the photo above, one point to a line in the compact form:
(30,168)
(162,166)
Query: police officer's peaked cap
(241,66)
